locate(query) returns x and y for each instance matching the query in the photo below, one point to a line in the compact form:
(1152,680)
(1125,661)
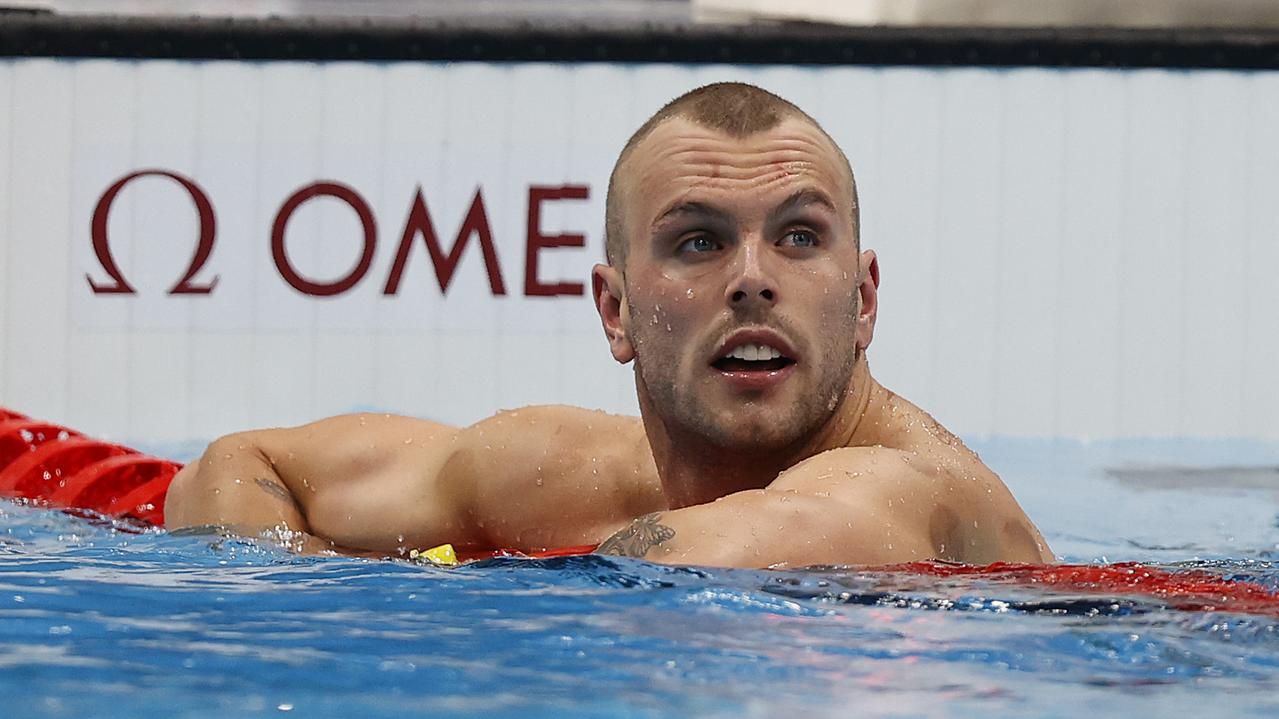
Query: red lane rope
(1187,589)
(59,467)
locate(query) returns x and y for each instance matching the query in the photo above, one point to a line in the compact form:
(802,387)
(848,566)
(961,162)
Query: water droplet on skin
(539,481)
(238,481)
(689,294)
(217,491)
(409,440)
(226,456)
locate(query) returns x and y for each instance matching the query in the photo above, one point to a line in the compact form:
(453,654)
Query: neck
(694,471)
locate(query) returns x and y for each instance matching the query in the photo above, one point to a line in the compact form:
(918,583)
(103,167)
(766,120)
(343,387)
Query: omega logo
(102,247)
(418,223)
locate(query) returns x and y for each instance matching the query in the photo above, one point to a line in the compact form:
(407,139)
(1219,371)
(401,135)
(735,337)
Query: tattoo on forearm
(638,537)
(275,489)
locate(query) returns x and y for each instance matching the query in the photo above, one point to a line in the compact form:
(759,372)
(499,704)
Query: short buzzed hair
(734,108)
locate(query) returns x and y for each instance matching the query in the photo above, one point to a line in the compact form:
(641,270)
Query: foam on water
(103,622)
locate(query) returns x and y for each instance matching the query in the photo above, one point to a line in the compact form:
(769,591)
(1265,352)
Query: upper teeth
(752,353)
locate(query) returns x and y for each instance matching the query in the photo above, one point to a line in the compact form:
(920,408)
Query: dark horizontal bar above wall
(25,34)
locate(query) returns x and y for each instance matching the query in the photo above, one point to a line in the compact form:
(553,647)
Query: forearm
(767,528)
(736,531)
(232,485)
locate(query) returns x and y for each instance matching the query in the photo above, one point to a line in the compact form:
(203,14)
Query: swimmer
(737,288)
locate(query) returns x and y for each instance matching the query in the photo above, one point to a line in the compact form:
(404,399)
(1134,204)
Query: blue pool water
(106,623)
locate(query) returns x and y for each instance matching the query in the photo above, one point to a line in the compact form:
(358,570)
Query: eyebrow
(699,209)
(798,199)
(802,198)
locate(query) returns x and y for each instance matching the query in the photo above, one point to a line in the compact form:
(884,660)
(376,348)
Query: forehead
(681,158)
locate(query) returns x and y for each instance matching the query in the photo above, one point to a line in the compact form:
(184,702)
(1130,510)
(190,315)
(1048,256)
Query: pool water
(98,621)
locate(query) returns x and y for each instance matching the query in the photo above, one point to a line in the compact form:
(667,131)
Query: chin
(754,433)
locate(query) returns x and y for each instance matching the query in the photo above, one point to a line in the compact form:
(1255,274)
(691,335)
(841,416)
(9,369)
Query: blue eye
(700,243)
(799,238)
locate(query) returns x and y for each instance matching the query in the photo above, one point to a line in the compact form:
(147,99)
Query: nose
(752,283)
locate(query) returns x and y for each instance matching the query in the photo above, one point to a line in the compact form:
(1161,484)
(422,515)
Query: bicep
(315,456)
(364,480)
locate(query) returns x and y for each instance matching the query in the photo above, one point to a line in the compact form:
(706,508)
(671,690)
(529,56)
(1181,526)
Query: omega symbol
(117,285)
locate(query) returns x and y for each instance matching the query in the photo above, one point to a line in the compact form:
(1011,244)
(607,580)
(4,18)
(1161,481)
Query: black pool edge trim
(46,35)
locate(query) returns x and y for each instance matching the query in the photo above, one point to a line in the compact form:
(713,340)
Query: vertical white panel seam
(201,77)
(997,259)
(381,338)
(1125,98)
(67,361)
(939,160)
(5,319)
(1062,238)
(1123,254)
(1187,91)
(1245,419)
(255,212)
(131,315)
(325,72)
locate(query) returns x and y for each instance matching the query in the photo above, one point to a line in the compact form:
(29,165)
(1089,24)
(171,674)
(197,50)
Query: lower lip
(756,381)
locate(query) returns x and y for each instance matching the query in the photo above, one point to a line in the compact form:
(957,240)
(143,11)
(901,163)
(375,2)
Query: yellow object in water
(442,555)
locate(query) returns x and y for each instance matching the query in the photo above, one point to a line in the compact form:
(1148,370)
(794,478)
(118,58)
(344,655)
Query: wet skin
(738,240)
(738,461)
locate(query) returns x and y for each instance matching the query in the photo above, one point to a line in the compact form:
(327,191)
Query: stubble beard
(686,410)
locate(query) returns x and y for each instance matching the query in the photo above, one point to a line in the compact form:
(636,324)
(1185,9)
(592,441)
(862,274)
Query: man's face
(741,292)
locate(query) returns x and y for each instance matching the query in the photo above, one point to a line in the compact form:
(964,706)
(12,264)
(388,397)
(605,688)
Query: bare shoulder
(576,473)
(564,434)
(945,494)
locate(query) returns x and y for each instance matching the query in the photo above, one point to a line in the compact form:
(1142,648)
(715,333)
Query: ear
(868,288)
(610,300)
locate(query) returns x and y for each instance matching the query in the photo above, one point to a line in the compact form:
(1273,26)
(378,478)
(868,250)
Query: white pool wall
(1065,253)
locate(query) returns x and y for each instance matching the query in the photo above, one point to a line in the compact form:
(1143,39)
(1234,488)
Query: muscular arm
(536,478)
(848,506)
(357,481)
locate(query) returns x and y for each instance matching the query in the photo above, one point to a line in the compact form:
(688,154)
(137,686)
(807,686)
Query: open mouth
(753,358)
